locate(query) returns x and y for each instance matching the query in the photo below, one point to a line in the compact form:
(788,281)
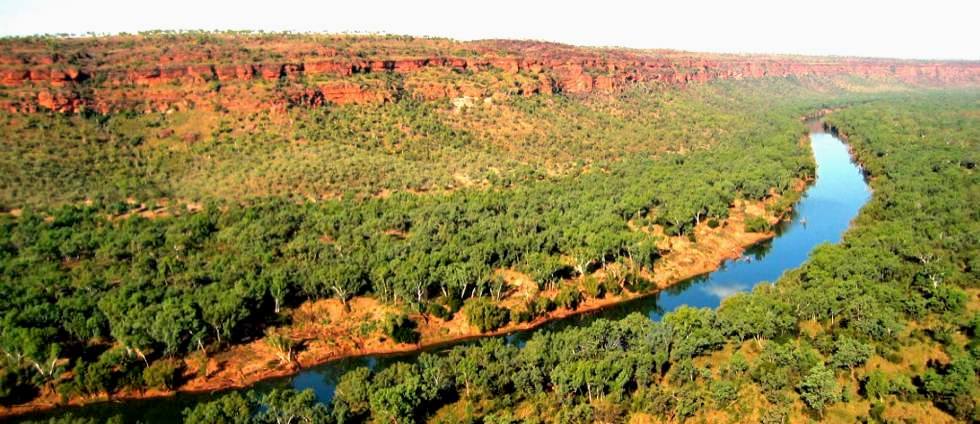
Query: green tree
(850,353)
(232,408)
(174,324)
(292,406)
(755,315)
(818,389)
(352,396)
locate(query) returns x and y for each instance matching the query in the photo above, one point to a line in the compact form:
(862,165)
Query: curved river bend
(821,216)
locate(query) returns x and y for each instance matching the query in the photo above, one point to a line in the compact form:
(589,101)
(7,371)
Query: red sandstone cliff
(157,74)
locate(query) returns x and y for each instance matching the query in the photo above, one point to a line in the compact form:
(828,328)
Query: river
(822,215)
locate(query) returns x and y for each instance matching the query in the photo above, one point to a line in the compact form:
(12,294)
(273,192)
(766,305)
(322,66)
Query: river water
(822,215)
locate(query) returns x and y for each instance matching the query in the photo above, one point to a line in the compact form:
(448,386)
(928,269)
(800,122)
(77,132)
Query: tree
(381,278)
(15,386)
(645,253)
(758,315)
(950,387)
(37,347)
(541,267)
(569,297)
(584,256)
(282,344)
(849,353)
(352,397)
(693,331)
(724,393)
(174,324)
(877,385)
(288,406)
(223,309)
(437,376)
(129,316)
(819,388)
(279,287)
(396,393)
(498,287)
(232,408)
(344,278)
(114,369)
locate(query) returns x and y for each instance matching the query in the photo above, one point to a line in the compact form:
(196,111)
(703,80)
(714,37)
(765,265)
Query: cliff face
(249,73)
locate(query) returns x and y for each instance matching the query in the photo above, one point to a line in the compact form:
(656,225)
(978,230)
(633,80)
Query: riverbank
(328,331)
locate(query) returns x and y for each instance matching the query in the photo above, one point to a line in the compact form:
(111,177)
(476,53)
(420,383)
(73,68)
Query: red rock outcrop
(66,101)
(343,92)
(329,68)
(92,74)
(14,77)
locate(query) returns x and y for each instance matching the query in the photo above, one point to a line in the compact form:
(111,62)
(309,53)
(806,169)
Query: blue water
(821,216)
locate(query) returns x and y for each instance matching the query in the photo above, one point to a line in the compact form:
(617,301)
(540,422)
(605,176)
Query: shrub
(201,362)
(486,316)
(438,311)
(454,304)
(523,316)
(401,329)
(637,284)
(594,288)
(161,374)
(757,224)
(877,412)
(540,306)
(723,392)
(612,287)
(569,297)
(15,386)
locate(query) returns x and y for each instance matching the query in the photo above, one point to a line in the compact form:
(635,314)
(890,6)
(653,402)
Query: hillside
(187,118)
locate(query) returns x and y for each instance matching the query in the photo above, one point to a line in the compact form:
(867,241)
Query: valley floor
(328,331)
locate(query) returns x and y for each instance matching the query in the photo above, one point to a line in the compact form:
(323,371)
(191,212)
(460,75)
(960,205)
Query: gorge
(821,216)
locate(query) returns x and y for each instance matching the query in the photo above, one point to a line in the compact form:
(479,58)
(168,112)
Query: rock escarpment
(250,72)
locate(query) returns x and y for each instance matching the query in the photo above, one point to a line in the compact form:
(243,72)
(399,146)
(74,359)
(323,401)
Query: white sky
(934,29)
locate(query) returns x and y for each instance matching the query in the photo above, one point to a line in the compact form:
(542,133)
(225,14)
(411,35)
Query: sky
(934,29)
